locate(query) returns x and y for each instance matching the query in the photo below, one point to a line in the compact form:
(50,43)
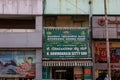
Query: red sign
(100,51)
(115,66)
(101,21)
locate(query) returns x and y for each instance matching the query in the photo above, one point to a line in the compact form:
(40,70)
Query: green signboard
(68,43)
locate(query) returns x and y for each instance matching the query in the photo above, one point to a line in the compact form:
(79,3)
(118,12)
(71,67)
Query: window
(49,22)
(64,21)
(17,25)
(80,21)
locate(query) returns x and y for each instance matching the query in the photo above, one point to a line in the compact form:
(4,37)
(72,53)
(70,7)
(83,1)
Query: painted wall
(19,39)
(14,64)
(21,7)
(66,7)
(20,63)
(80,7)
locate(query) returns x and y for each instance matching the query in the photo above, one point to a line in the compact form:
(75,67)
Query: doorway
(62,73)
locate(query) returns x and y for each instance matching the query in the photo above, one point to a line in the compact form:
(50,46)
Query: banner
(17,63)
(68,43)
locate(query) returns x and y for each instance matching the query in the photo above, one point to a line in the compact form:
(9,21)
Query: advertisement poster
(17,63)
(87,73)
(101,54)
(69,43)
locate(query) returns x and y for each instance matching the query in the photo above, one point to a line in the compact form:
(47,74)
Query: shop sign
(72,43)
(101,21)
(98,30)
(17,63)
(115,66)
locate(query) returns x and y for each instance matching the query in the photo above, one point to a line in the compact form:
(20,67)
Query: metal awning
(67,63)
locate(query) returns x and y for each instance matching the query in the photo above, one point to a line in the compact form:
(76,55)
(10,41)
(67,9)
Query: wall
(21,7)
(98,24)
(23,39)
(80,7)
(66,7)
(19,39)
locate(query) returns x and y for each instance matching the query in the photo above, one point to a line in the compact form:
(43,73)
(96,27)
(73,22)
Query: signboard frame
(66,43)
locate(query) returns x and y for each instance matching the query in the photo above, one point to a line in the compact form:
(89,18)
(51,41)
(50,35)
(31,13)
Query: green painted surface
(70,43)
(46,73)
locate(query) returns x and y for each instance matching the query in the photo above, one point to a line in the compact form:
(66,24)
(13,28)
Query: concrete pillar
(38,28)
(38,64)
(38,23)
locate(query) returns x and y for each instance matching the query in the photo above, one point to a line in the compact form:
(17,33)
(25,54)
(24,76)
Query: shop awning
(67,63)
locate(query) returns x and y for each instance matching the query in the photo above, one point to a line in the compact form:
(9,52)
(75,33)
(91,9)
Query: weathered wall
(21,7)
(80,7)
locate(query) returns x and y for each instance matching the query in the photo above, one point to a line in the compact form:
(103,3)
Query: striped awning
(67,63)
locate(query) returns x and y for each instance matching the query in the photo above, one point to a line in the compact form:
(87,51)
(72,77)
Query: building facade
(58,39)
(66,32)
(99,45)
(99,50)
(20,39)
(93,10)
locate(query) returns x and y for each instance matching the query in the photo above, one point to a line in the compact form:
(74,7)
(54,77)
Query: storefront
(17,64)
(67,54)
(101,59)
(68,70)
(99,42)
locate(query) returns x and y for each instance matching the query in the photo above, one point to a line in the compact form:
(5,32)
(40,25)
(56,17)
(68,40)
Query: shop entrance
(62,73)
